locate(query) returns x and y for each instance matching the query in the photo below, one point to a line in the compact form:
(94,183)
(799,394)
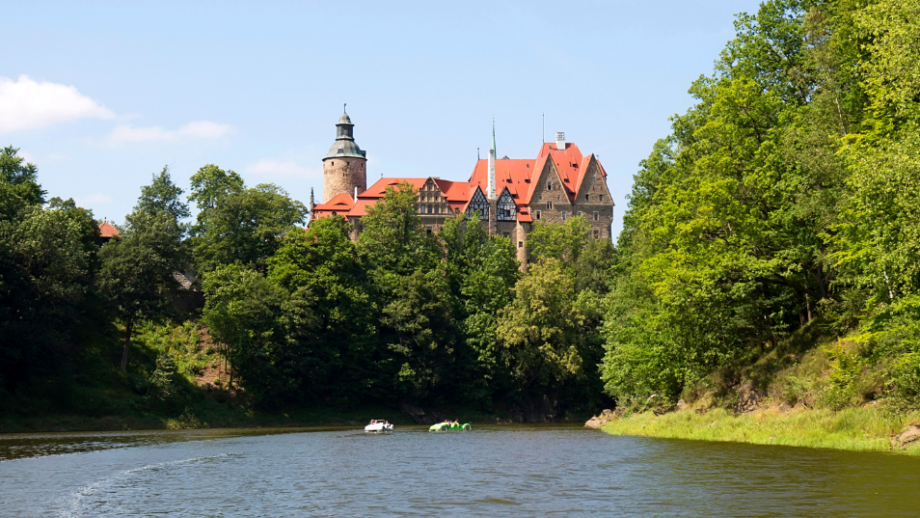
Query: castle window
(429,210)
(549,205)
(505,234)
(520,244)
(538,214)
(428,230)
(579,213)
(422,209)
(563,215)
(549,186)
(587,197)
(506,209)
(597,234)
(601,197)
(595,215)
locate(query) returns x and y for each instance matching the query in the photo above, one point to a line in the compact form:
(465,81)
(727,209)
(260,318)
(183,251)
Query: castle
(510,194)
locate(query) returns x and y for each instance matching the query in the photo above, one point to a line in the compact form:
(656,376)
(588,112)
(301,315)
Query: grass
(854,428)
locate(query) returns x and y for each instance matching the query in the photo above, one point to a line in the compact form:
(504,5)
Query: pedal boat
(378,427)
(447,427)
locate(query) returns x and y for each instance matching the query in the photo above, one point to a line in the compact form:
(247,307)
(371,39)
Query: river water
(520,470)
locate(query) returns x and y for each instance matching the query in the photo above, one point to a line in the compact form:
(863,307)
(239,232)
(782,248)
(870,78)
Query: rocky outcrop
(605,417)
(748,398)
(420,416)
(907,437)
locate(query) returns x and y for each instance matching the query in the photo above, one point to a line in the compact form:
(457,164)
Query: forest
(302,317)
(776,224)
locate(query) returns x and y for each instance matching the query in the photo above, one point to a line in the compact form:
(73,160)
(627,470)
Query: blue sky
(101,95)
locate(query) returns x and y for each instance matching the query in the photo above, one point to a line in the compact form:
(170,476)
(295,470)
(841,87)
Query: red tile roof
(108,230)
(514,174)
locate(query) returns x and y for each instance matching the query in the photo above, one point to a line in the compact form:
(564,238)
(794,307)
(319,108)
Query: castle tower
(345,165)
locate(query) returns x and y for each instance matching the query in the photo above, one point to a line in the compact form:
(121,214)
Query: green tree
(245,227)
(563,242)
(421,334)
(19,177)
(162,195)
(539,329)
(136,275)
(330,289)
(241,312)
(45,269)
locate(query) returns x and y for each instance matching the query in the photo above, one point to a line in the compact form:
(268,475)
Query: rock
(605,417)
(748,398)
(783,407)
(681,404)
(912,434)
(662,410)
(415,413)
(595,422)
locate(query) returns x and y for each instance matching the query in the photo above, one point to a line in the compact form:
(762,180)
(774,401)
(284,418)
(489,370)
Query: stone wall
(594,197)
(342,175)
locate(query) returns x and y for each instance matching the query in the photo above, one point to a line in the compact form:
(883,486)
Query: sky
(102,95)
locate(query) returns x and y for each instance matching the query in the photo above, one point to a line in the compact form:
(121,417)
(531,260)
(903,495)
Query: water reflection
(492,471)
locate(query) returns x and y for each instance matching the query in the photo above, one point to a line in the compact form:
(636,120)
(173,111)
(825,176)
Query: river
(517,470)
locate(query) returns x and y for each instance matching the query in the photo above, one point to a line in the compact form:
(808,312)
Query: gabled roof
(515,175)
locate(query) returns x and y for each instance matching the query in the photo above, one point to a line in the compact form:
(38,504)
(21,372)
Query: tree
(20,177)
(45,271)
(137,270)
(210,186)
(539,329)
(246,227)
(561,242)
(393,242)
(420,331)
(242,311)
(162,195)
(331,317)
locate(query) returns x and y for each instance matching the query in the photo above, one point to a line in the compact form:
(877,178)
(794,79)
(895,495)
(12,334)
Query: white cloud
(93,199)
(28,104)
(192,130)
(287,168)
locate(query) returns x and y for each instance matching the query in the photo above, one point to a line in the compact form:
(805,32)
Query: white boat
(378,426)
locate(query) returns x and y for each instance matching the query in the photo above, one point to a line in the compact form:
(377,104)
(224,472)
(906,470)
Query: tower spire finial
(493,138)
(343,107)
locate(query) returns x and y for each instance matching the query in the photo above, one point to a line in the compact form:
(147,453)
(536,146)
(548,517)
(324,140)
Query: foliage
(244,226)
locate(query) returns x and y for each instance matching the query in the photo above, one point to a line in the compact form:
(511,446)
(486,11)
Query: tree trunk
(129,328)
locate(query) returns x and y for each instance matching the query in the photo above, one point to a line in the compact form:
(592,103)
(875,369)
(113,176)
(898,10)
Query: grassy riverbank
(858,428)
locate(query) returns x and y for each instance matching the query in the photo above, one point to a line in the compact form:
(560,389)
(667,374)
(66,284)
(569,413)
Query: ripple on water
(492,471)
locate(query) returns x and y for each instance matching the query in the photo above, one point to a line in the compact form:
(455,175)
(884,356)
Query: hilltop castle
(510,194)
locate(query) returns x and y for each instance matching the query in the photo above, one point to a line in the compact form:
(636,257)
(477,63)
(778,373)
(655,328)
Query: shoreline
(854,429)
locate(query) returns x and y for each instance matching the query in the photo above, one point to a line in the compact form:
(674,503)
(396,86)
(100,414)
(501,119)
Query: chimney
(560,140)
